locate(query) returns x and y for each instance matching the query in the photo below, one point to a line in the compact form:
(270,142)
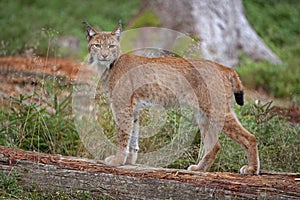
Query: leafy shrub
(281,81)
(277,22)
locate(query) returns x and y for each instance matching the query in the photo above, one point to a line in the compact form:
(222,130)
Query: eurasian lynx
(104,49)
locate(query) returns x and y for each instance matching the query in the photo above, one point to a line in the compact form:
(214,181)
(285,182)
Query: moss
(195,37)
(147,18)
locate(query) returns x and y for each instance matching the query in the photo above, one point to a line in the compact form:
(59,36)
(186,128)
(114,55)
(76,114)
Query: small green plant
(262,113)
(9,187)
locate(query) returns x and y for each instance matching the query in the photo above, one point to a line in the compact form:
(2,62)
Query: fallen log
(55,172)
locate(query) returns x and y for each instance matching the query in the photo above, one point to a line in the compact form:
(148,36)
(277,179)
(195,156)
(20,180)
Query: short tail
(239,98)
(237,88)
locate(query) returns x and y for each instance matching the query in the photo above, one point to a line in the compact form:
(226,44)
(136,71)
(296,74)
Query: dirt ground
(19,75)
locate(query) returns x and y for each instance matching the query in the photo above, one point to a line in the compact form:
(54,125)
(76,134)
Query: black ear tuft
(90,31)
(239,98)
(86,23)
(117,31)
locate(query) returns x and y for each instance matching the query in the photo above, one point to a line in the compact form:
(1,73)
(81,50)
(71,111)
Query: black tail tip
(239,98)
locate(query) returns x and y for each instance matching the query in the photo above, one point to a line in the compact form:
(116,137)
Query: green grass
(42,121)
(27,24)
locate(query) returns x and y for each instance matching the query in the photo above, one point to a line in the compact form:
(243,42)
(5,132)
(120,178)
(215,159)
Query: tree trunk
(221,27)
(51,173)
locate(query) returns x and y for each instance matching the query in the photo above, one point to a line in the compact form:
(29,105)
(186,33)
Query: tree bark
(221,26)
(55,172)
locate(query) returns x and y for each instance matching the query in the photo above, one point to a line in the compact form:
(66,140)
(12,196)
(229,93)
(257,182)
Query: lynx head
(104,47)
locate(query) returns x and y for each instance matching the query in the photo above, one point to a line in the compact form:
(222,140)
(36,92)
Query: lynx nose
(104,56)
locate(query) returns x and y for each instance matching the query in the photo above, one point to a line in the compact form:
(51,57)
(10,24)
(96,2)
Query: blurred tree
(220,26)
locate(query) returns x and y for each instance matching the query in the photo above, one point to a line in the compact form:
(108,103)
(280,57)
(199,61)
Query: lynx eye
(112,46)
(99,46)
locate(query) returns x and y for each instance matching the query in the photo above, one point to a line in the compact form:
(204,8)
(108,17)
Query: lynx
(104,52)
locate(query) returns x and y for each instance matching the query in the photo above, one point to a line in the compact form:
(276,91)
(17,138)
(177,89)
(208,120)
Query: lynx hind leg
(237,132)
(211,144)
(134,139)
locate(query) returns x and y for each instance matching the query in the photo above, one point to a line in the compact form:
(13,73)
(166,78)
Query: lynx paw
(115,160)
(249,170)
(131,158)
(195,168)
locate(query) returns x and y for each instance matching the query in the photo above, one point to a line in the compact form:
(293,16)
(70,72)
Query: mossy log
(51,173)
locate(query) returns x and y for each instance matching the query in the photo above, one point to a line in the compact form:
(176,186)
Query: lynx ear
(117,31)
(90,31)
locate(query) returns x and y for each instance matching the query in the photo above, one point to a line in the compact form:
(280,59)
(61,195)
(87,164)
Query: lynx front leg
(123,118)
(211,144)
(134,138)
(237,132)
